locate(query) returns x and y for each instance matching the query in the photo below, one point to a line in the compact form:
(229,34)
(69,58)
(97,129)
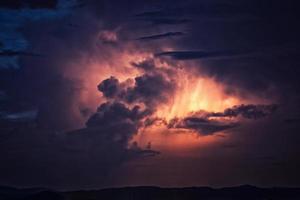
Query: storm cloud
(80,79)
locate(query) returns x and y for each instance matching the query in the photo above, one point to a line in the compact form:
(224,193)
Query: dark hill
(155,193)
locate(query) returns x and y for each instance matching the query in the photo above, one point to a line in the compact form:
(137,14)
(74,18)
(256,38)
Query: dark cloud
(79,159)
(207,123)
(203,11)
(166,21)
(201,125)
(161,36)
(190,55)
(13,110)
(110,87)
(28,115)
(151,88)
(60,112)
(292,120)
(149,14)
(144,152)
(17,53)
(110,129)
(247,111)
(204,8)
(32,4)
(113,113)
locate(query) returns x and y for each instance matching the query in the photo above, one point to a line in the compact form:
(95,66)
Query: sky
(98,93)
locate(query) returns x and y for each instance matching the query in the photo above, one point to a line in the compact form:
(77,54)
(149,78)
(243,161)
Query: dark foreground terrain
(153,193)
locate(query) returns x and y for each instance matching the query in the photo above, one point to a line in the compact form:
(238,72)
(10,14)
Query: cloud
(29,115)
(149,14)
(190,55)
(108,37)
(271,68)
(143,152)
(17,14)
(54,85)
(110,129)
(201,125)
(292,120)
(8,53)
(32,4)
(161,36)
(166,21)
(110,87)
(162,17)
(78,159)
(247,111)
(207,123)
(109,114)
(197,12)
(84,157)
(146,65)
(151,88)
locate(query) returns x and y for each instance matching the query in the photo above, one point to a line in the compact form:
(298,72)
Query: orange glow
(171,141)
(194,94)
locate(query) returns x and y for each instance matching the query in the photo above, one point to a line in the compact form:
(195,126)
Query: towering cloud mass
(156,87)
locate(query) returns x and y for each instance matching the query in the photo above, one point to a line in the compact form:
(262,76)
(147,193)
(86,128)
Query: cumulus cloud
(151,88)
(114,113)
(109,87)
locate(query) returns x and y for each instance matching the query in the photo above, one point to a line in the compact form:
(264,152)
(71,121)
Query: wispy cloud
(161,36)
(190,55)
